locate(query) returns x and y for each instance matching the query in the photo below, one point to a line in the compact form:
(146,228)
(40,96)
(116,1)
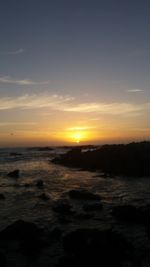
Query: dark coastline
(126,160)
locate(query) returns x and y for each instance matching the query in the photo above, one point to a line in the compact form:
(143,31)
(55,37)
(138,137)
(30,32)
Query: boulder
(14,174)
(39,183)
(20,230)
(28,236)
(92,247)
(44,197)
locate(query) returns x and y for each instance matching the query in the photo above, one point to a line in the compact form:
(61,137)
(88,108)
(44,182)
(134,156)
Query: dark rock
(27,234)
(47,148)
(144,214)
(92,207)
(27,185)
(44,197)
(92,247)
(3,261)
(55,234)
(14,154)
(83,195)
(2,196)
(84,216)
(128,160)
(132,214)
(62,207)
(125,213)
(14,174)
(39,183)
(20,230)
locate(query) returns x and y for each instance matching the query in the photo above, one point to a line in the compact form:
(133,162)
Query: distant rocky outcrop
(46,148)
(128,160)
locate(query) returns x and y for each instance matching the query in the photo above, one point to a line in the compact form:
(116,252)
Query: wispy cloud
(34,101)
(108,108)
(135,90)
(69,104)
(9,80)
(13,52)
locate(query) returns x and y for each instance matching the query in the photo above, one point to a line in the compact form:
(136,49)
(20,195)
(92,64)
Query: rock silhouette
(129,160)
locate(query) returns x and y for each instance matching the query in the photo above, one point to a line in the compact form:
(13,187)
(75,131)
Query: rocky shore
(23,243)
(127,160)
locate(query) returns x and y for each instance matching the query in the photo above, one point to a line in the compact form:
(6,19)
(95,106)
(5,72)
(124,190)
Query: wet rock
(39,183)
(14,174)
(3,262)
(92,247)
(44,197)
(2,197)
(83,195)
(93,207)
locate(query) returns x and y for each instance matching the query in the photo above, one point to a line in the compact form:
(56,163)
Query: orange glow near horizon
(87,134)
(75,135)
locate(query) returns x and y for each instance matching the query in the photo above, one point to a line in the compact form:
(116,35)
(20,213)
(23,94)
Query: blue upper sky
(89,51)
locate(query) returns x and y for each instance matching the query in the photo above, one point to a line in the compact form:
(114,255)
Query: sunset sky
(74,71)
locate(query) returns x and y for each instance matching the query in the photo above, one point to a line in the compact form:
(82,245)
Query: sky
(74,72)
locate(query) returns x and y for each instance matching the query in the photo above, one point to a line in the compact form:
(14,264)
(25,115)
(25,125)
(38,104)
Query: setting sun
(78,136)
